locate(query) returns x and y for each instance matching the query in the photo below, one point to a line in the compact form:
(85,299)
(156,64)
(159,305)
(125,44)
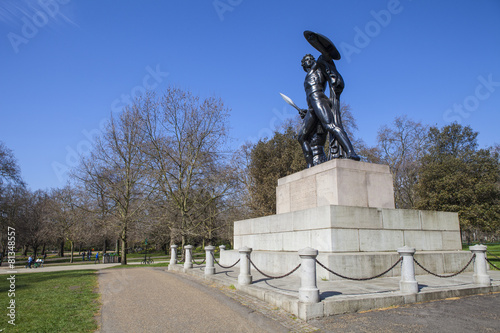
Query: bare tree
(11,194)
(33,227)
(67,215)
(402,147)
(9,169)
(115,169)
(12,207)
(186,138)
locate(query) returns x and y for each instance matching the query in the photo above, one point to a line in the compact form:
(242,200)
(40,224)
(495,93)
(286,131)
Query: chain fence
(225,267)
(201,263)
(360,279)
(446,276)
(274,277)
(488,260)
(491,254)
(492,264)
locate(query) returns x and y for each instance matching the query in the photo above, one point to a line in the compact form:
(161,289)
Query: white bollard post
(173,256)
(407,284)
(209,259)
(222,248)
(244,277)
(308,291)
(188,263)
(480,276)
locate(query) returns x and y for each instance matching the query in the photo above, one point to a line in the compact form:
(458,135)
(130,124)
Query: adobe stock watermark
(482,92)
(11,260)
(223,6)
(373,28)
(150,81)
(47,10)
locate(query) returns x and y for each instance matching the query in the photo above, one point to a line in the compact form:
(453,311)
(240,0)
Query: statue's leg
(317,142)
(304,137)
(325,115)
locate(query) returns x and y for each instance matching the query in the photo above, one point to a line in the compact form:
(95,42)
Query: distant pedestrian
(30,261)
(89,253)
(83,256)
(96,258)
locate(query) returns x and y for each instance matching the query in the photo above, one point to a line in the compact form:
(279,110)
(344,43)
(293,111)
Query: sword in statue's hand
(289,101)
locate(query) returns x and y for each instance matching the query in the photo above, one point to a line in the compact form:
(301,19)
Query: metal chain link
(360,279)
(226,267)
(492,264)
(201,263)
(491,254)
(270,276)
(446,276)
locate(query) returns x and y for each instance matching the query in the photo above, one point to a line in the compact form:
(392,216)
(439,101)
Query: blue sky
(68,64)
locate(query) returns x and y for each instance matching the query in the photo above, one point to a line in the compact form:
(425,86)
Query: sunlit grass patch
(51,302)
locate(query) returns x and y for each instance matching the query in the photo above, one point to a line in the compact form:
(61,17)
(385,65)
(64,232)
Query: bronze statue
(323,113)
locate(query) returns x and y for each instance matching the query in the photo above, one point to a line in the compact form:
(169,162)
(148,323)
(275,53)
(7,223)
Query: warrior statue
(323,113)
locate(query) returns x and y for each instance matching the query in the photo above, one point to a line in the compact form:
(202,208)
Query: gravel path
(152,300)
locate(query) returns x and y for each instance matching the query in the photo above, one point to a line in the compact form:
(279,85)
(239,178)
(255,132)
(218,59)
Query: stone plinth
(340,182)
(345,209)
(350,229)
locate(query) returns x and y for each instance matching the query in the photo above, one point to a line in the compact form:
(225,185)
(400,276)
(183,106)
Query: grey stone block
(336,182)
(432,220)
(401,219)
(380,240)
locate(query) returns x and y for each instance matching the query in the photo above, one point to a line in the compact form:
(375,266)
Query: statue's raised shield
(322,44)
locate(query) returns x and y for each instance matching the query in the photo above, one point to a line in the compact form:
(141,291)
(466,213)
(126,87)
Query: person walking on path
(96,258)
(30,261)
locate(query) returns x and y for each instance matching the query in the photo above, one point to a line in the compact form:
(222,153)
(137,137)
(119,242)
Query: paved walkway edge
(341,304)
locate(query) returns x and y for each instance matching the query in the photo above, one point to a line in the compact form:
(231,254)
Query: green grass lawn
(493,253)
(51,302)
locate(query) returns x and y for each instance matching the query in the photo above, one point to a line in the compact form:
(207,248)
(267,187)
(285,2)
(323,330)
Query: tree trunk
(61,250)
(117,246)
(72,250)
(43,249)
(105,247)
(124,252)
(25,250)
(4,248)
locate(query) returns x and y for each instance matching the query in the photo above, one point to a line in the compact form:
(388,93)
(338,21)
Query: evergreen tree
(271,159)
(456,176)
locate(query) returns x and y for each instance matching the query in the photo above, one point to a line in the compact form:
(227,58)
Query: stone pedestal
(408,284)
(209,259)
(245,277)
(188,261)
(339,182)
(481,276)
(308,291)
(344,206)
(350,229)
